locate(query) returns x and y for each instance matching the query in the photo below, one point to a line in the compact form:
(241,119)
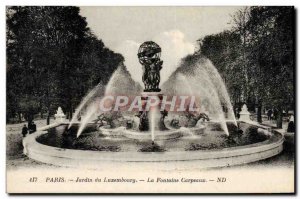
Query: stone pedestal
(60,116)
(245,114)
(153,114)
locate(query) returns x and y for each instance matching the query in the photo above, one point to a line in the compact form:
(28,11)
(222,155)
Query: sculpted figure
(149,57)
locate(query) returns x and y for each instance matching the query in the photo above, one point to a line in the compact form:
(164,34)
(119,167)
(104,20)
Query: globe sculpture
(149,57)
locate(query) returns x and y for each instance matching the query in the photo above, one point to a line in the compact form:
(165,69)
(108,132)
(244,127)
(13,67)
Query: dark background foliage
(256,58)
(53,60)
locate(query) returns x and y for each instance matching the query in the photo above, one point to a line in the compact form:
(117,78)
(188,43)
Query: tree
(48,60)
(223,50)
(272,56)
(240,20)
(256,58)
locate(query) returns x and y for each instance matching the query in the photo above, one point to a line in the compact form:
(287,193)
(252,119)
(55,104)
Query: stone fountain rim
(34,136)
(198,159)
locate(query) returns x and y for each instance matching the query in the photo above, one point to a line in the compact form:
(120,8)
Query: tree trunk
(48,118)
(48,109)
(279,118)
(71,112)
(20,118)
(259,118)
(30,117)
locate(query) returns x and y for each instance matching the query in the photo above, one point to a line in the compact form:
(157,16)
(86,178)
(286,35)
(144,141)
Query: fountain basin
(167,160)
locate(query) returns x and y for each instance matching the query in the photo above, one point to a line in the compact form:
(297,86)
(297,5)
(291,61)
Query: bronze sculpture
(149,57)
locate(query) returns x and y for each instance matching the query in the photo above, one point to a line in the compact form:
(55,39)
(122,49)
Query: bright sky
(175,29)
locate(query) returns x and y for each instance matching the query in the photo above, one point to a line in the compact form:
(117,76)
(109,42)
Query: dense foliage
(53,59)
(256,58)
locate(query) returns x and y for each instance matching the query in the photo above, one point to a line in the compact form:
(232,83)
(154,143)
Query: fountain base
(151,155)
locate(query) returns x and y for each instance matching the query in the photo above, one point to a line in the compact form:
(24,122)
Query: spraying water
(199,78)
(188,132)
(84,102)
(152,124)
(119,83)
(219,84)
(91,112)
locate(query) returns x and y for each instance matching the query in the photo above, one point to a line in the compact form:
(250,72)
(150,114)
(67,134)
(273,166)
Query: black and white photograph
(150,99)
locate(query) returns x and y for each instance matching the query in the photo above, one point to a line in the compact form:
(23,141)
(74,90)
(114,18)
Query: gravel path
(15,159)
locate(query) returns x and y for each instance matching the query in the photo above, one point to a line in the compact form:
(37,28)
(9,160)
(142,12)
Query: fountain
(179,124)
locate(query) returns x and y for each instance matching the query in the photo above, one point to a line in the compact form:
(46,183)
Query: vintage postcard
(150,99)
